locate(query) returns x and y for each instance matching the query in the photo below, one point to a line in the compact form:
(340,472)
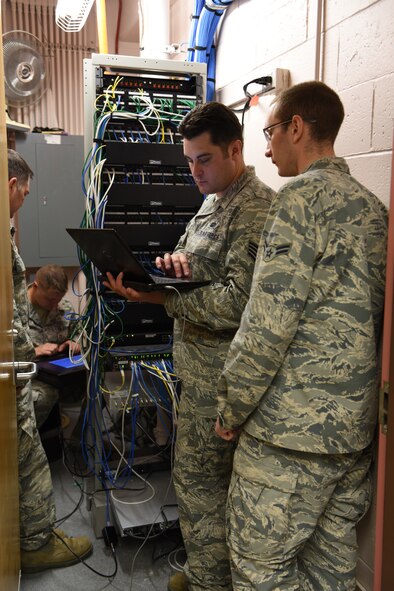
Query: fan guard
(25,68)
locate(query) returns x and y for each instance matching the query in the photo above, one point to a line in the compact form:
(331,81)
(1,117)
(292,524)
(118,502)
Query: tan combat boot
(177,582)
(55,553)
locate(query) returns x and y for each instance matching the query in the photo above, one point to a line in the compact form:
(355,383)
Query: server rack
(136,180)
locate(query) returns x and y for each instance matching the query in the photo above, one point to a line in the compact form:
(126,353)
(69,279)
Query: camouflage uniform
(301,377)
(48,327)
(221,244)
(36,501)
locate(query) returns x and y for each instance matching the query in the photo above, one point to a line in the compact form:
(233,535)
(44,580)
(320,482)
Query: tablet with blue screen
(67,363)
(60,365)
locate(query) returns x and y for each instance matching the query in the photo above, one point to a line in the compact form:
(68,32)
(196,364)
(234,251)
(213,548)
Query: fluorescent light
(71,15)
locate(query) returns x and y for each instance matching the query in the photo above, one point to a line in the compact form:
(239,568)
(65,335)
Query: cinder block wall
(355,57)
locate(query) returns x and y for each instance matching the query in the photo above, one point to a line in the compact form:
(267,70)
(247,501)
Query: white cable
(153,491)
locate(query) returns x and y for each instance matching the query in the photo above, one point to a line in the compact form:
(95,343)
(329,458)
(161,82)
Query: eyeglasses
(267,130)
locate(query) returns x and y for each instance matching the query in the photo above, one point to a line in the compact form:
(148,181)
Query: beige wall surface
(350,47)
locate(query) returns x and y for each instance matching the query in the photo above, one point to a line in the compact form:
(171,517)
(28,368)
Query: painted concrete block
(366,45)
(373,171)
(383,114)
(338,10)
(355,134)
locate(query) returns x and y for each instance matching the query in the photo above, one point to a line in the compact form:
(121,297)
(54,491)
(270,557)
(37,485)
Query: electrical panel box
(55,201)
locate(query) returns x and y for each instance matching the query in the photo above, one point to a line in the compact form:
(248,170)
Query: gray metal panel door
(55,202)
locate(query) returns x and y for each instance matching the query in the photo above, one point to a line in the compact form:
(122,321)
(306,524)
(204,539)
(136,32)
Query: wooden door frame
(384,567)
(9,508)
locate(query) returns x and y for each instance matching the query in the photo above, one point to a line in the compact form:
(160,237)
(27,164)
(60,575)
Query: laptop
(107,250)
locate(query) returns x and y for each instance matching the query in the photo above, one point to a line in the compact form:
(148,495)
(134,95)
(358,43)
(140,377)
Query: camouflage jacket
(221,243)
(23,346)
(53,326)
(302,371)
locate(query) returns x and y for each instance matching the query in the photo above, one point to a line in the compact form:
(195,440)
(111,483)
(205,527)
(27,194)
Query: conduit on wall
(205,19)
(319,46)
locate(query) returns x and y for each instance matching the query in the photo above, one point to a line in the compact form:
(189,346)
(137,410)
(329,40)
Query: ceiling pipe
(102,26)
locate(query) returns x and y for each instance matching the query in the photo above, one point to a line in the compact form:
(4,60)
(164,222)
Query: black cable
(265,81)
(149,536)
(246,107)
(178,544)
(79,503)
(113,488)
(73,458)
(87,565)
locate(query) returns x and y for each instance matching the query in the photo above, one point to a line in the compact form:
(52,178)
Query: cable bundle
(205,19)
(198,6)
(97,313)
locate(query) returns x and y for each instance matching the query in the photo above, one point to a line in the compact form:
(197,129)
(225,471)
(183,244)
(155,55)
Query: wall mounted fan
(26,69)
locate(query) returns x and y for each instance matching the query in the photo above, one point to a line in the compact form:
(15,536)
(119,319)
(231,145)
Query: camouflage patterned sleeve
(280,287)
(219,305)
(23,345)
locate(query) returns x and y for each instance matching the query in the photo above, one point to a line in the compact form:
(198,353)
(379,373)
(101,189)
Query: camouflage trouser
(45,396)
(291,517)
(36,500)
(203,464)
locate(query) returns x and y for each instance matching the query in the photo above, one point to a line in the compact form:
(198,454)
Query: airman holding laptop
(220,244)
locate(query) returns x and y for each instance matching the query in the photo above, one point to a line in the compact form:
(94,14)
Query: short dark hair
(313,101)
(216,119)
(52,277)
(18,167)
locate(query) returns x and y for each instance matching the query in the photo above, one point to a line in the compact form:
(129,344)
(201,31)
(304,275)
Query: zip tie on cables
(212,48)
(212,5)
(223,3)
(99,141)
(217,11)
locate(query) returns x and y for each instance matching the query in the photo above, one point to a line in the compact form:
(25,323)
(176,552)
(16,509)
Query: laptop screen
(108,252)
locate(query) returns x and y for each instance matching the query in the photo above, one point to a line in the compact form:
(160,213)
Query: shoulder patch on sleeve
(270,251)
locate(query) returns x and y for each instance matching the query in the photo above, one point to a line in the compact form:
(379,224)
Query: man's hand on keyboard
(174,265)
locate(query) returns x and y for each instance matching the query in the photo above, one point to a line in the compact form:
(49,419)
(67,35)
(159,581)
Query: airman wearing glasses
(300,382)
